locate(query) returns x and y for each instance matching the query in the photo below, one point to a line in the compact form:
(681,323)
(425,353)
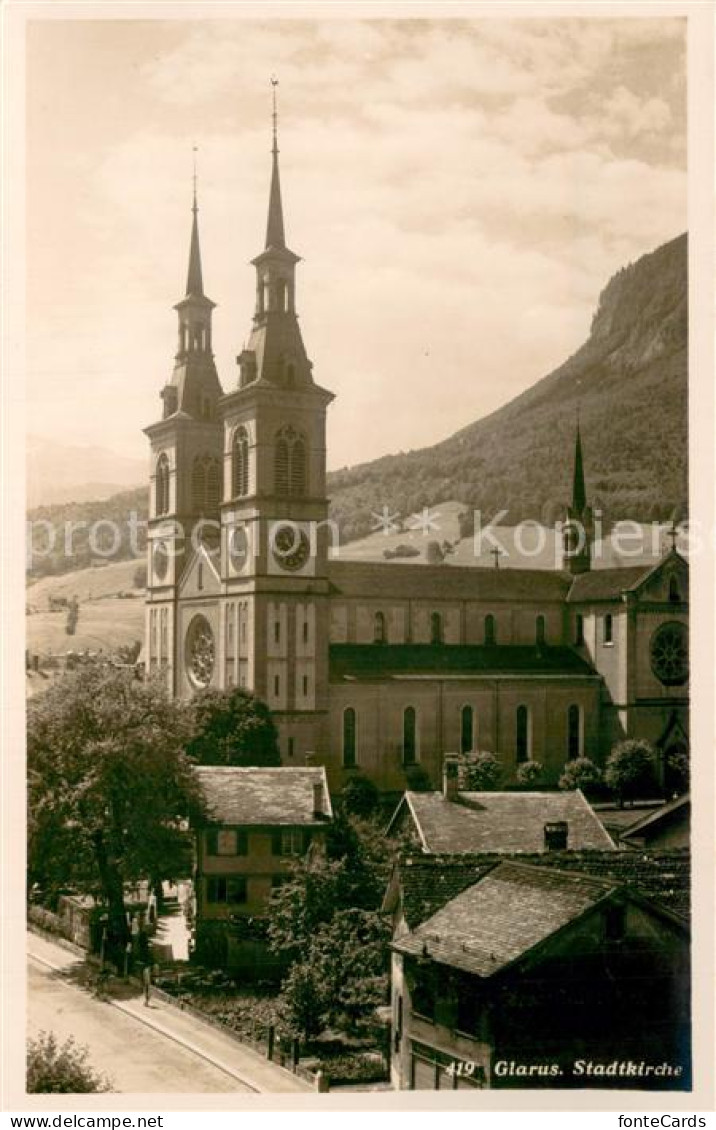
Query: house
(260,821)
(533,976)
(460,821)
(666,827)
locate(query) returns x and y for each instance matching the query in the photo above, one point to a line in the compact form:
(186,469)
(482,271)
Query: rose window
(670,654)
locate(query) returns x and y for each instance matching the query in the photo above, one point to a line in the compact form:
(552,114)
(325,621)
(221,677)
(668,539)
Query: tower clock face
(291,548)
(160,559)
(238,548)
(200,651)
(670,654)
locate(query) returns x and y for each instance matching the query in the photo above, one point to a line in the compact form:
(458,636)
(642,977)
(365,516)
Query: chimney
(318,800)
(450,776)
(555,835)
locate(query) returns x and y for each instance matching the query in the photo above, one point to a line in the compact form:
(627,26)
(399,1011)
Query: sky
(460,192)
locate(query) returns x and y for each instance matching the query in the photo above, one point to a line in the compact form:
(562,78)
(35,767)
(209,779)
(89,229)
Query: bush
(530,773)
(630,770)
(418,779)
(479,772)
(61,1069)
(361,1068)
(581,773)
(360,796)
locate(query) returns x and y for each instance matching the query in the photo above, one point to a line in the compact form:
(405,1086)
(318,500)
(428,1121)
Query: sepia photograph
(357,568)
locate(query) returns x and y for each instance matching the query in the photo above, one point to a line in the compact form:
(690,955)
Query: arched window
(161,486)
(574,732)
(490,630)
(523,734)
(297,481)
(240,463)
(608,628)
(467,729)
(379,628)
(436,628)
(291,463)
(539,630)
(410,736)
(579,630)
(349,737)
(674,592)
(205,485)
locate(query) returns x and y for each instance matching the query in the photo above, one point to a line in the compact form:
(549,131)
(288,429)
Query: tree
(479,772)
(61,1069)
(360,796)
(350,955)
(303,1002)
(530,773)
(232,727)
(110,788)
(630,769)
(580,773)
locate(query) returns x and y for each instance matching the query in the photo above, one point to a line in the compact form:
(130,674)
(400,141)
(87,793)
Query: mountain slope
(629,384)
(58,472)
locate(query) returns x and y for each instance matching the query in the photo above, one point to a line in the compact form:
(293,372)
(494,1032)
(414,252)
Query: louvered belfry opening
(291,463)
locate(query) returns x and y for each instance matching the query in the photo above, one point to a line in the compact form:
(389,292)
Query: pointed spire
(579,493)
(274,229)
(194,282)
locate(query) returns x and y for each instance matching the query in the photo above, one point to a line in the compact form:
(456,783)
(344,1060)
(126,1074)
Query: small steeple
(275,236)
(194,282)
(579,493)
(578,529)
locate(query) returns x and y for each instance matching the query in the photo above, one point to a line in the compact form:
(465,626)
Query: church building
(377,668)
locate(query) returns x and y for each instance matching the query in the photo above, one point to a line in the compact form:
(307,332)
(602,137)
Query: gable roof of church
(610,584)
(379,662)
(501,821)
(383,580)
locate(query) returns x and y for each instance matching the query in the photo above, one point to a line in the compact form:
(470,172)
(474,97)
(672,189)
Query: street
(177,1054)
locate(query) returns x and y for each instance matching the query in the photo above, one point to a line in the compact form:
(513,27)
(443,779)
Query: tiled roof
(263,796)
(387,661)
(606,584)
(679,808)
(392,580)
(503,916)
(427,882)
(503,822)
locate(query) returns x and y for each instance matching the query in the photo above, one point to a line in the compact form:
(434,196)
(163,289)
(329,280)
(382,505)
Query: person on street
(147,983)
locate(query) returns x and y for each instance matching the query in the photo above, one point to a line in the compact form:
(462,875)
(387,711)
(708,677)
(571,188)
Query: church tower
(274,515)
(185,471)
(578,528)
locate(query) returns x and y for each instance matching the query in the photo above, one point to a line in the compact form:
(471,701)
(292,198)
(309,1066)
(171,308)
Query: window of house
(277,631)
(288,841)
(436,628)
(579,630)
(277,685)
(467,729)
(227,890)
(305,631)
(490,630)
(608,628)
(291,746)
(379,628)
(539,630)
(240,463)
(227,841)
(523,734)
(574,732)
(349,737)
(410,736)
(305,686)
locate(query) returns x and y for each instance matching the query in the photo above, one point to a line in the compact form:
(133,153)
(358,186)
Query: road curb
(149,1023)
